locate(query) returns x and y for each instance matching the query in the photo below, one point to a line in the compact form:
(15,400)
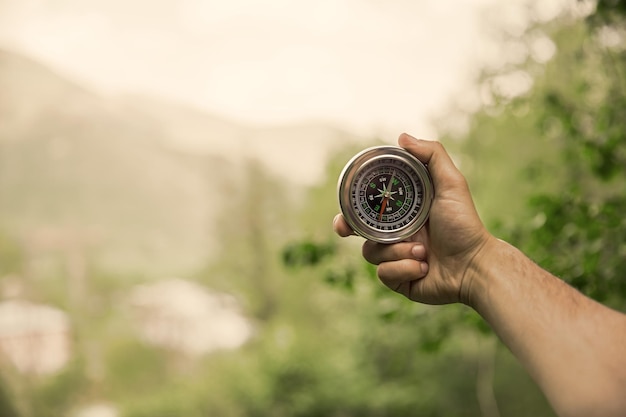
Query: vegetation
(570,132)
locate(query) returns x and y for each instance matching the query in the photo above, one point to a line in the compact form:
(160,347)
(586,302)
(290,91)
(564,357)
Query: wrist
(475,281)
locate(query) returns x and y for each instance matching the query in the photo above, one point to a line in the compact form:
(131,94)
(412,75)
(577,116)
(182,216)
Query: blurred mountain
(295,152)
(132,181)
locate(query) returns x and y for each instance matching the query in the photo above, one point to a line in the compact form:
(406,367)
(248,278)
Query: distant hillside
(296,152)
(131,180)
(75,171)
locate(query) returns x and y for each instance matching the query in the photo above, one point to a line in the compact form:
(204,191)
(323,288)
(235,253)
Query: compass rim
(359,163)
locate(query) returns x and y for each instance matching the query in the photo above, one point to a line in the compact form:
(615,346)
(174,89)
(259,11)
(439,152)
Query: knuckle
(438,145)
(377,253)
(383,272)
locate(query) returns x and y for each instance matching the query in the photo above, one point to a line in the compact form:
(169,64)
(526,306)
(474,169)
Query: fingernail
(336,218)
(418,251)
(424,268)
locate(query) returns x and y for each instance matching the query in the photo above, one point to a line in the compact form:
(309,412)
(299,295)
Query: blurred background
(167,187)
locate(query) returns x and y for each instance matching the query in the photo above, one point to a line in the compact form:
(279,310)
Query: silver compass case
(405,193)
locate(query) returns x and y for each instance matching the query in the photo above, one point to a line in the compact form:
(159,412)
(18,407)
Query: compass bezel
(360,162)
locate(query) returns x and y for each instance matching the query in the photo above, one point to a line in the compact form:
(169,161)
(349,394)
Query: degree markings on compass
(383,194)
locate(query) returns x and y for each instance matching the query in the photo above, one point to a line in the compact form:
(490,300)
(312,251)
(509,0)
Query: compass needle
(382,193)
(382,210)
(372,180)
(389,192)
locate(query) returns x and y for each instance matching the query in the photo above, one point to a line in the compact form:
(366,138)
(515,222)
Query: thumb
(432,153)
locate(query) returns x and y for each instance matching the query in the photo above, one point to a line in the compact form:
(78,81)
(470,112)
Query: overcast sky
(372,66)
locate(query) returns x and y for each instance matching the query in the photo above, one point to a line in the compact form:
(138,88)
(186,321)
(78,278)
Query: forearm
(573,347)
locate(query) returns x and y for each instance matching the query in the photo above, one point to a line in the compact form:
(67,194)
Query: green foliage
(306,253)
(580,233)
(7,408)
(607,10)
(569,172)
(134,367)
(52,397)
(584,242)
(11,256)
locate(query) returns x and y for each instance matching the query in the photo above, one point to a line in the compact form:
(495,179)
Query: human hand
(453,236)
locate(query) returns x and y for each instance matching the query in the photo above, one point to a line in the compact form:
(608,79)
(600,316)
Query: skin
(574,347)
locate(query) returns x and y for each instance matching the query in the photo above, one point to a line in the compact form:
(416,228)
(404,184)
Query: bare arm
(573,347)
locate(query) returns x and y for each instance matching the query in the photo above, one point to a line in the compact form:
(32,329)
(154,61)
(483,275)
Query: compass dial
(385,194)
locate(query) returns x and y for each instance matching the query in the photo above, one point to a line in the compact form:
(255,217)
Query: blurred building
(35,338)
(186,317)
(97,410)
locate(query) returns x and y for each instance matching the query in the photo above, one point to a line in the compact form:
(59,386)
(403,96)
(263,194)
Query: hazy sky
(372,66)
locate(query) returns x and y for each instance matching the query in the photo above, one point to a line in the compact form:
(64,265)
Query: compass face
(385,194)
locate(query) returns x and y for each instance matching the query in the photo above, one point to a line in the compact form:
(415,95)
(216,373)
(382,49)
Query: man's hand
(453,236)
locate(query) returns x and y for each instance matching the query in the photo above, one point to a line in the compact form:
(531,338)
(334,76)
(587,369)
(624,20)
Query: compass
(385,194)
